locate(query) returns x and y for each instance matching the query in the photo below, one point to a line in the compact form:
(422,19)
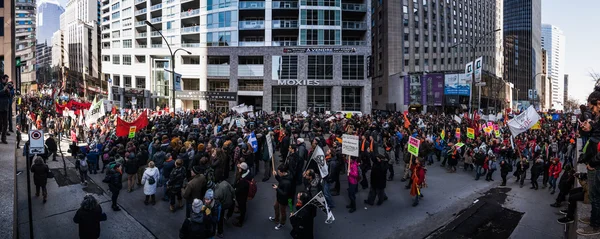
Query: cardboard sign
(488,130)
(413,146)
(269,145)
(36,142)
(573,119)
(457,133)
(489,124)
(132,132)
(443,134)
(350,145)
(459,144)
(470,133)
(196,121)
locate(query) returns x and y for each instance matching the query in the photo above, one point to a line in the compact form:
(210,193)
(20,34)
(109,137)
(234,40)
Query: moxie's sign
(298,82)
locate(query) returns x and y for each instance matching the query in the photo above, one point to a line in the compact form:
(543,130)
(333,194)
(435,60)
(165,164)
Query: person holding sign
(353,178)
(418,178)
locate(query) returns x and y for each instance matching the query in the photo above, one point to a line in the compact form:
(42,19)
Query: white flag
(523,121)
(319,158)
(320,202)
(269,142)
(457,119)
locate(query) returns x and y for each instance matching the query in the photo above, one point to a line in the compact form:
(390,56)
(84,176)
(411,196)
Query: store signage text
(319,50)
(298,82)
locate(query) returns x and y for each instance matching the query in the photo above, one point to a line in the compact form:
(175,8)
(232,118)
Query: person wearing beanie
(194,225)
(212,210)
(88,217)
(195,188)
(242,188)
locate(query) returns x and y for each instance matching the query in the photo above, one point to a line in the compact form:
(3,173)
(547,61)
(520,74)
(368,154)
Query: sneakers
(279,226)
(272,219)
(588,231)
(555,205)
(565,220)
(564,211)
(584,220)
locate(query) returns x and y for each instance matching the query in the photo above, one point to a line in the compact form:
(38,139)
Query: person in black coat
(567,180)
(285,144)
(241,193)
(303,220)
(504,170)
(52,147)
(115,185)
(89,216)
(378,181)
(536,171)
(284,195)
(40,177)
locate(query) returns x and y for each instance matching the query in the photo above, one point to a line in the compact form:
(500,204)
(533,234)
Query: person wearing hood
(196,188)
(284,195)
(193,227)
(536,171)
(212,211)
(241,193)
(150,180)
(88,217)
(40,177)
(303,220)
(175,184)
(224,195)
(165,173)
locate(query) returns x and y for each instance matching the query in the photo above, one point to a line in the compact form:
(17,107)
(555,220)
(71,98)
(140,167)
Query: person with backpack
(193,226)
(175,184)
(195,188)
(82,166)
(92,158)
(150,181)
(224,195)
(242,190)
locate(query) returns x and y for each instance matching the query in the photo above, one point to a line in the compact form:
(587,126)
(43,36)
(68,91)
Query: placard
(470,133)
(413,146)
(459,144)
(457,133)
(132,132)
(36,142)
(573,119)
(196,121)
(443,134)
(350,145)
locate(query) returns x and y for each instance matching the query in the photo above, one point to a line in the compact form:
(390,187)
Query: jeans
(552,183)
(327,193)
(594,192)
(92,168)
(478,171)
(83,175)
(430,158)
(44,191)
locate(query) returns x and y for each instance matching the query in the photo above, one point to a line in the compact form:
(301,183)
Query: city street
(447,195)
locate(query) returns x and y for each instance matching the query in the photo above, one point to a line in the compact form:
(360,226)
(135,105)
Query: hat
(196,169)
(244,166)
(300,140)
(209,194)
(240,140)
(210,184)
(197,205)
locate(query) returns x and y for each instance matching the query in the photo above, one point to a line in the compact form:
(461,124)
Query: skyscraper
(7,42)
(523,49)
(25,42)
(553,41)
(47,20)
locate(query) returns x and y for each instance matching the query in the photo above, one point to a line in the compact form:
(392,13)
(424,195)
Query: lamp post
(172,62)
(473,46)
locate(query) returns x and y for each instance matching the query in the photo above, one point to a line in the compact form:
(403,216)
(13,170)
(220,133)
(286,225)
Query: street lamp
(473,46)
(172,62)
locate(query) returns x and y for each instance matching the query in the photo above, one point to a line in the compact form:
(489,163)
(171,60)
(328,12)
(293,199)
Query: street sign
(478,64)
(480,84)
(36,142)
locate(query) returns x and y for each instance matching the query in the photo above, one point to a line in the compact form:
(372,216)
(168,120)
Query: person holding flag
(418,178)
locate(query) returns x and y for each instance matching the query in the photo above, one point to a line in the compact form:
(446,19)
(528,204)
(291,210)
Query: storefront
(284,99)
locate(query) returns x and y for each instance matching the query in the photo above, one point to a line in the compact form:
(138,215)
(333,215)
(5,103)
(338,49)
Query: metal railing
(354,25)
(250,88)
(156,45)
(255,24)
(156,20)
(156,7)
(141,34)
(285,24)
(192,29)
(284,43)
(251,43)
(190,45)
(155,34)
(190,13)
(141,11)
(140,23)
(142,46)
(139,1)
(285,5)
(252,5)
(355,7)
(354,43)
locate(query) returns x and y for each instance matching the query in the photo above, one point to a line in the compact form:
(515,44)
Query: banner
(178,82)
(96,112)
(350,145)
(536,126)
(478,66)
(434,89)
(123,126)
(470,133)
(269,145)
(319,158)
(523,121)
(457,119)
(413,146)
(253,142)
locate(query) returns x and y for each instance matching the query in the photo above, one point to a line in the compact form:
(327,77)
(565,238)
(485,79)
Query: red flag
(123,126)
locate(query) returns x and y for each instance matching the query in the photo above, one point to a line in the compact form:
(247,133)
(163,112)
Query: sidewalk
(54,219)
(8,187)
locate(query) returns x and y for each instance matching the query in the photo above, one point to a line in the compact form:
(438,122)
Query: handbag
(50,174)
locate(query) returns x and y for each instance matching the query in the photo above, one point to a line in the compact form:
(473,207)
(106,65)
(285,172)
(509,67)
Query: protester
(284,196)
(114,180)
(89,216)
(241,193)
(150,181)
(303,219)
(40,177)
(175,185)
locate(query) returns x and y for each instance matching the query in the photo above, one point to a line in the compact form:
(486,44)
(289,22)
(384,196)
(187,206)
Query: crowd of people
(209,161)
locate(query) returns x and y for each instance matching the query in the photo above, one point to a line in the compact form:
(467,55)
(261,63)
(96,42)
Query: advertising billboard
(434,89)
(456,84)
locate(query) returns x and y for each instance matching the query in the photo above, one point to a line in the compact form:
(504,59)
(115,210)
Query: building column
(336,98)
(267,83)
(301,98)
(366,98)
(203,75)
(233,77)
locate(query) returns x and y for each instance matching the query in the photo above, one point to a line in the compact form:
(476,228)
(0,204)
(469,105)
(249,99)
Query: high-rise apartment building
(523,50)
(7,41)
(566,89)
(290,56)
(553,41)
(25,42)
(430,37)
(79,27)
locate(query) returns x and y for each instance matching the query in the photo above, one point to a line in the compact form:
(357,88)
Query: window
(127,80)
(126,59)
(218,38)
(116,34)
(284,99)
(351,98)
(140,82)
(116,59)
(380,90)
(126,43)
(284,67)
(320,37)
(353,67)
(196,104)
(115,25)
(312,37)
(105,58)
(2,28)
(218,85)
(127,33)
(140,59)
(319,99)
(220,19)
(116,80)
(320,67)
(405,62)
(190,60)
(216,4)
(115,15)
(330,3)
(116,44)
(115,6)
(126,12)
(250,85)
(191,84)
(320,17)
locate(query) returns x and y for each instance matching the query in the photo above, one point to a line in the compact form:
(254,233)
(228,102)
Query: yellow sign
(470,133)
(536,126)
(488,130)
(132,132)
(443,134)
(348,115)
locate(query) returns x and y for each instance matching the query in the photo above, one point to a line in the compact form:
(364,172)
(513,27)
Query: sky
(579,22)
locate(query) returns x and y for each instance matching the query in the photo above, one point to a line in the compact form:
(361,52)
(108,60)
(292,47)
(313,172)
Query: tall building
(546,93)
(47,20)
(43,58)
(566,89)
(422,37)
(290,56)
(523,50)
(7,42)
(79,27)
(25,42)
(553,41)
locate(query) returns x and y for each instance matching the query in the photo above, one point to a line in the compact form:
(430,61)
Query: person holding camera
(5,88)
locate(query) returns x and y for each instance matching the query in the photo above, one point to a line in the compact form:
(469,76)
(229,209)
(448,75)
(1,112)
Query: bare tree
(595,76)
(571,104)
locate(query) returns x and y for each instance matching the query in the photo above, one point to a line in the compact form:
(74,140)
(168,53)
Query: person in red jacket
(418,178)
(554,172)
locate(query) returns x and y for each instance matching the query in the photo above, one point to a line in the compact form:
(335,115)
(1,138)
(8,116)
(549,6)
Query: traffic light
(18,61)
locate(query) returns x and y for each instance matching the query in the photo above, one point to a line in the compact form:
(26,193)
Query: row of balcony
(292,24)
(250,5)
(247,43)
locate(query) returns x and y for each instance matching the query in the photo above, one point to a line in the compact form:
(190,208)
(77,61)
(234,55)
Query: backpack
(151,180)
(210,174)
(252,189)
(83,165)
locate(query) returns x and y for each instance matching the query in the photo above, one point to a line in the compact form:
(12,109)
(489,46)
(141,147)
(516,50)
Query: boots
(352,206)
(180,202)
(172,208)
(153,200)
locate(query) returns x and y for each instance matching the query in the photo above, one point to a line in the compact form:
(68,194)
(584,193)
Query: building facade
(25,42)
(566,89)
(43,58)
(287,56)
(80,40)
(429,36)
(7,41)
(523,50)
(553,41)
(47,20)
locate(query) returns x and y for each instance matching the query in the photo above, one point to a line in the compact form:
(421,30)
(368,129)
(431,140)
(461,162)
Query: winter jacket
(284,189)
(168,167)
(353,176)
(555,169)
(537,169)
(116,180)
(176,178)
(218,164)
(224,194)
(89,222)
(51,144)
(334,170)
(378,172)
(193,227)
(131,166)
(504,168)
(303,223)
(302,152)
(196,188)
(150,173)
(242,188)
(159,159)
(40,174)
